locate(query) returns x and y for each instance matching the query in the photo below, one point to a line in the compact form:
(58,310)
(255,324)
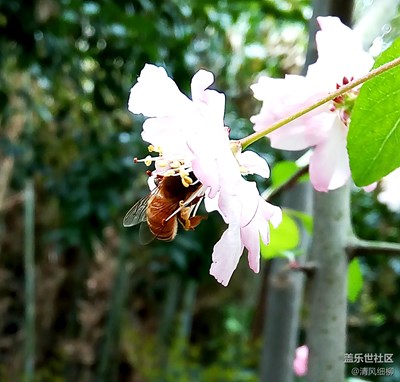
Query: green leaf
(282,172)
(374,133)
(282,239)
(354,280)
(305,219)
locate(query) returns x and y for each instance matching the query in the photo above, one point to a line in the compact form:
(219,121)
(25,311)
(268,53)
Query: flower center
(167,166)
(343,104)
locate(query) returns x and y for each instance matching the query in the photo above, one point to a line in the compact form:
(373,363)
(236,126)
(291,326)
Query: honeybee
(169,203)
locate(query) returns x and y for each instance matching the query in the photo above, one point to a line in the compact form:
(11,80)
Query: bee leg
(189,223)
(184,217)
(194,221)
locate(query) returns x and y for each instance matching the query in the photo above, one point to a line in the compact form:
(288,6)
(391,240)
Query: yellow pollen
(244,170)
(235,147)
(169,173)
(148,160)
(156,149)
(174,164)
(183,172)
(187,181)
(162,163)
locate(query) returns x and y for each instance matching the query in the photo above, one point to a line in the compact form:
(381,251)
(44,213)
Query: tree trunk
(284,294)
(285,288)
(108,363)
(326,335)
(29,272)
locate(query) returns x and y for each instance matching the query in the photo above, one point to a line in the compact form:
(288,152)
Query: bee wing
(145,234)
(137,213)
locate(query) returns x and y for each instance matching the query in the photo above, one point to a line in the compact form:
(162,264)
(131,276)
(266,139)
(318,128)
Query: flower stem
(373,73)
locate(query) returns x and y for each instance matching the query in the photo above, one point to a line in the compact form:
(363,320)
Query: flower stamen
(187,181)
(156,149)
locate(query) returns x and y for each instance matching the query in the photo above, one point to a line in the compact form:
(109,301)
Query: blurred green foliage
(66,70)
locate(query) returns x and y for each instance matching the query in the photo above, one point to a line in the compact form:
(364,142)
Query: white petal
(209,103)
(274,214)
(390,194)
(254,163)
(340,54)
(156,95)
(151,183)
(200,82)
(169,133)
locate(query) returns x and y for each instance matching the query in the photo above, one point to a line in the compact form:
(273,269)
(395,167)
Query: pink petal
(226,255)
(214,164)
(251,239)
(271,213)
(284,97)
(248,195)
(329,163)
(340,54)
(206,172)
(301,134)
(211,203)
(371,187)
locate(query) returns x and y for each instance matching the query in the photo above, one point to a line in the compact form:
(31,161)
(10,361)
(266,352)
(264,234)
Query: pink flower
(246,213)
(340,59)
(189,135)
(300,363)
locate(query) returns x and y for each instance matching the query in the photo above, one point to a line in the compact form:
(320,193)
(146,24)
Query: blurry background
(80,299)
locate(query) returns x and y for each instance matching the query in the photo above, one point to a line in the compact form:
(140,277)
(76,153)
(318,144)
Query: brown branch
(308,268)
(357,247)
(292,181)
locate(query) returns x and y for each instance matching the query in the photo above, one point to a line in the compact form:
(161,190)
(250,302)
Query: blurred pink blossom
(300,363)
